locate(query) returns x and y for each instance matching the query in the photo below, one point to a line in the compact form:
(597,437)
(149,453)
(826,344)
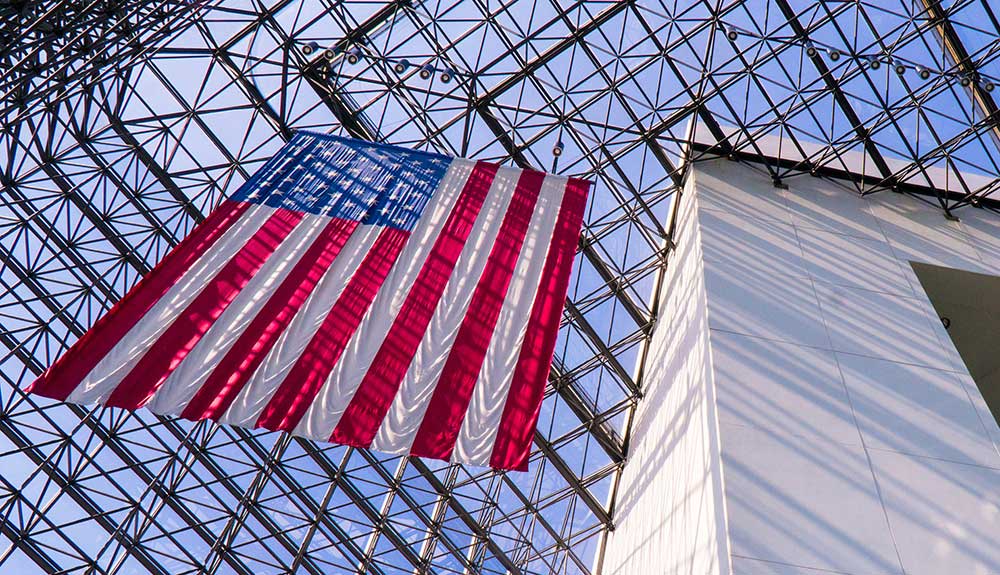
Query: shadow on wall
(843,417)
(669,508)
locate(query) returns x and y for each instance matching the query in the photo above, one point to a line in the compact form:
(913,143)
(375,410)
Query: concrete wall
(851,437)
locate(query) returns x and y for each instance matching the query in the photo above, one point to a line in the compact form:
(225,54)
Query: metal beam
(954,47)
(860,131)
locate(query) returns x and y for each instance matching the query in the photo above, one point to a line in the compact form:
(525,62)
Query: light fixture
(833,54)
(731,33)
(401,66)
(965,81)
(924,73)
(900,69)
(354,55)
(329,54)
(811,51)
(988,86)
(557,150)
(426,71)
(309,48)
(446,75)
(874,62)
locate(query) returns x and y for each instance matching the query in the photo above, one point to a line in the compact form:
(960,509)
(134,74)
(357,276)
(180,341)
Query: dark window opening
(969,306)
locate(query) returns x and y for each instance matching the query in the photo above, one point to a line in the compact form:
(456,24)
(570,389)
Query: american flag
(352,292)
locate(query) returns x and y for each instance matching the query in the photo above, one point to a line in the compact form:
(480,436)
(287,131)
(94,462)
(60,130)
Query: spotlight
(447,75)
(988,86)
(731,33)
(900,69)
(310,48)
(965,81)
(426,71)
(401,66)
(329,54)
(924,73)
(833,54)
(874,62)
(354,55)
(811,51)
(557,150)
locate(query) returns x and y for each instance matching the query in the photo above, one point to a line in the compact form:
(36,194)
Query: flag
(358,293)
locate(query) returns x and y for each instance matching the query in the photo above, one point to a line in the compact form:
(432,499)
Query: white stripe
(113,367)
(177,391)
(399,428)
(482,419)
(260,388)
(323,415)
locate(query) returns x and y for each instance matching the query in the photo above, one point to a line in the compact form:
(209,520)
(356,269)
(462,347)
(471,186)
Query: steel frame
(124,122)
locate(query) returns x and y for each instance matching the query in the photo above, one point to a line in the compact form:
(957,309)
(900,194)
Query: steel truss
(124,122)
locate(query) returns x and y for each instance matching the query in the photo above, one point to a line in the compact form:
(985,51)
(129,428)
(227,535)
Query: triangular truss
(124,122)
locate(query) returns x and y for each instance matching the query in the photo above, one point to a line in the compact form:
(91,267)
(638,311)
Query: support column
(805,410)
(669,514)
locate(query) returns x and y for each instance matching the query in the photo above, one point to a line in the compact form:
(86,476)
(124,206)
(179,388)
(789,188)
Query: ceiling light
(874,62)
(988,86)
(731,33)
(557,150)
(446,75)
(965,81)
(309,48)
(354,55)
(426,71)
(924,73)
(900,69)
(401,66)
(833,54)
(329,54)
(811,50)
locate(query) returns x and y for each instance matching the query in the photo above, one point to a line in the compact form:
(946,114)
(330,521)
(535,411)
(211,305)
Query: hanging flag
(352,292)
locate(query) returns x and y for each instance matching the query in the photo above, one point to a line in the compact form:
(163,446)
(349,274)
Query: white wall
(852,438)
(668,514)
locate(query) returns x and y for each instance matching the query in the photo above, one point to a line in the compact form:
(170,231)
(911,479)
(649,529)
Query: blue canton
(376,184)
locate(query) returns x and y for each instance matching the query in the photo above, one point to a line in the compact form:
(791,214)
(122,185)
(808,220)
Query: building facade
(806,410)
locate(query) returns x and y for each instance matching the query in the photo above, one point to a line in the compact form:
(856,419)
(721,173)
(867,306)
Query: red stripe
(248,352)
(450,400)
(380,384)
(62,377)
(520,413)
(179,339)
(297,392)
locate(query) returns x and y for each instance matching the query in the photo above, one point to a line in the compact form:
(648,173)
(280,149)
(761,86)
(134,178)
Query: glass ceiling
(124,122)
